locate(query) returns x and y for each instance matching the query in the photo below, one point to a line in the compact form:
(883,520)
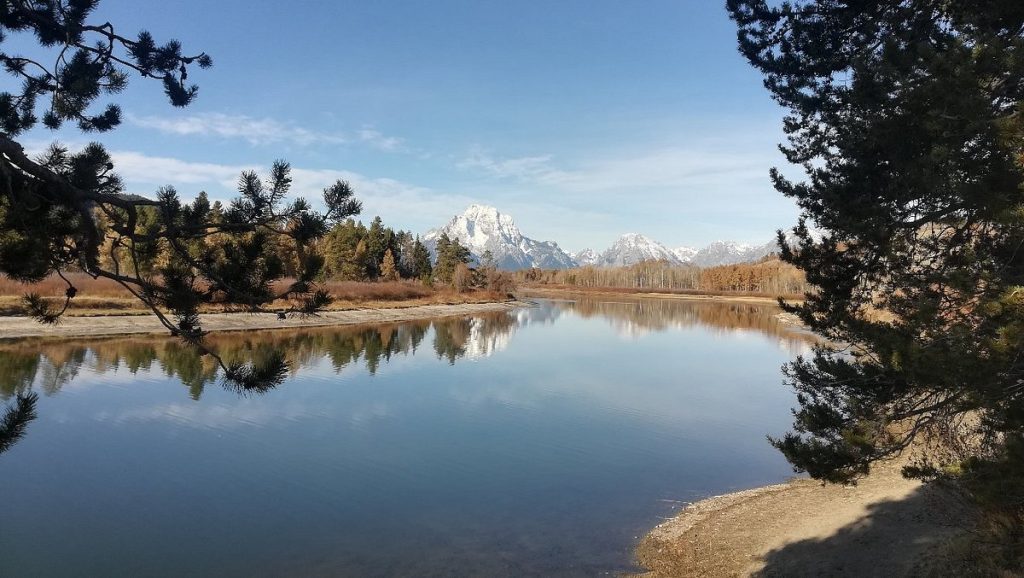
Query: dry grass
(105,297)
(632,291)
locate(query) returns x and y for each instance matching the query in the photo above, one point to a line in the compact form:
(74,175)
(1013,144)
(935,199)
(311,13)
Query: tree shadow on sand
(891,540)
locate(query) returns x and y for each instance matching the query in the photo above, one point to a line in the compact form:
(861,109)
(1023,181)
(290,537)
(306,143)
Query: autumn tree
(906,117)
(388,269)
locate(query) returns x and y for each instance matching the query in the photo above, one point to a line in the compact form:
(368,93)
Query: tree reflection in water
(31,366)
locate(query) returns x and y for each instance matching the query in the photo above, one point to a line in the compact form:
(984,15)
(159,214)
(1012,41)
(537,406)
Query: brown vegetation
(768,277)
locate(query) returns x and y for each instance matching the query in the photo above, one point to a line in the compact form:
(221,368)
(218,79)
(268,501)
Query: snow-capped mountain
(684,254)
(585,257)
(729,252)
(483,228)
(633,248)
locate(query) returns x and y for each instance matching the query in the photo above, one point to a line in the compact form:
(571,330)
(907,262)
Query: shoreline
(12,328)
(541,291)
(885,525)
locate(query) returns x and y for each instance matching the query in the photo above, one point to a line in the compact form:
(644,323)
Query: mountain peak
(632,248)
(478,210)
(484,228)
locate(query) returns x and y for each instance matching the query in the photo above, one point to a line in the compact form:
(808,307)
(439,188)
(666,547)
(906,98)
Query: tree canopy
(906,118)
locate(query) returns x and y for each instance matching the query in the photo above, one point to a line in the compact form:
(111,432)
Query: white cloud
(137,168)
(400,204)
(262,131)
(256,131)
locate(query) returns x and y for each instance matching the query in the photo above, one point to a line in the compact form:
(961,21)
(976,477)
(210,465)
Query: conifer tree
(422,268)
(906,117)
(450,253)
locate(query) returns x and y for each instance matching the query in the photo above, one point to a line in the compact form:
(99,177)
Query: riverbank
(21,327)
(563,291)
(885,526)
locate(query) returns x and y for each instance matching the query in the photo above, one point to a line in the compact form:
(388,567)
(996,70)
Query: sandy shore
(885,526)
(19,327)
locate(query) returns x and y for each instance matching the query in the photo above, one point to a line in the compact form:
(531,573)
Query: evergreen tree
(405,255)
(907,118)
(450,253)
(376,245)
(422,268)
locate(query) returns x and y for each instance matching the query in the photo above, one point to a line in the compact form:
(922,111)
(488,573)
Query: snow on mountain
(633,248)
(684,254)
(585,257)
(728,253)
(483,228)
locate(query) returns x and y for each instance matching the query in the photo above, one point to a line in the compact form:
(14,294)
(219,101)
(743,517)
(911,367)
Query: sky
(583,119)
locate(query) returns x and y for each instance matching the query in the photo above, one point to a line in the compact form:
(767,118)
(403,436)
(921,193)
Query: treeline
(770,276)
(350,250)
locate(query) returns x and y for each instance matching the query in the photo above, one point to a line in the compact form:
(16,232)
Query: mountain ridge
(484,228)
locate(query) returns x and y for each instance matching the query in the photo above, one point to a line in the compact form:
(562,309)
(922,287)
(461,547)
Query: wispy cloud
(401,204)
(379,141)
(667,168)
(255,131)
(521,168)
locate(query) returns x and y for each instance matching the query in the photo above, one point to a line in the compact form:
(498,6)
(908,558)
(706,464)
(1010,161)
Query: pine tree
(422,268)
(450,253)
(907,118)
(376,245)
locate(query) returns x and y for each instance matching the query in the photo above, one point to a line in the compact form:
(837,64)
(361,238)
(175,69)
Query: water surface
(542,441)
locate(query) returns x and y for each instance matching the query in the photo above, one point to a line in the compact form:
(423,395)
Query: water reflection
(635,317)
(530,442)
(47,365)
(29,366)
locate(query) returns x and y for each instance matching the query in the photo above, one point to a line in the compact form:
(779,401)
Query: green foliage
(906,117)
(450,254)
(421,265)
(95,61)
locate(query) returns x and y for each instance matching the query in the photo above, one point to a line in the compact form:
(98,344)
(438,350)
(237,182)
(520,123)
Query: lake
(542,441)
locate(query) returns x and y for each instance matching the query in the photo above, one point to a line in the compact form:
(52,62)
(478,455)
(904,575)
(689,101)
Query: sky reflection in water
(537,442)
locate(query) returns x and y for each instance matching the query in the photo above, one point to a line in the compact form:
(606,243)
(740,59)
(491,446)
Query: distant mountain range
(483,228)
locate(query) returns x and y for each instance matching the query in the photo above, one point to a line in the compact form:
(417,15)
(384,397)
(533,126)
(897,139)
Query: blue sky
(583,119)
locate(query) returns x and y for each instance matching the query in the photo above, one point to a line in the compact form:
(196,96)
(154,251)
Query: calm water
(543,441)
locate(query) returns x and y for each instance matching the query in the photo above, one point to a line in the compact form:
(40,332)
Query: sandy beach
(884,526)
